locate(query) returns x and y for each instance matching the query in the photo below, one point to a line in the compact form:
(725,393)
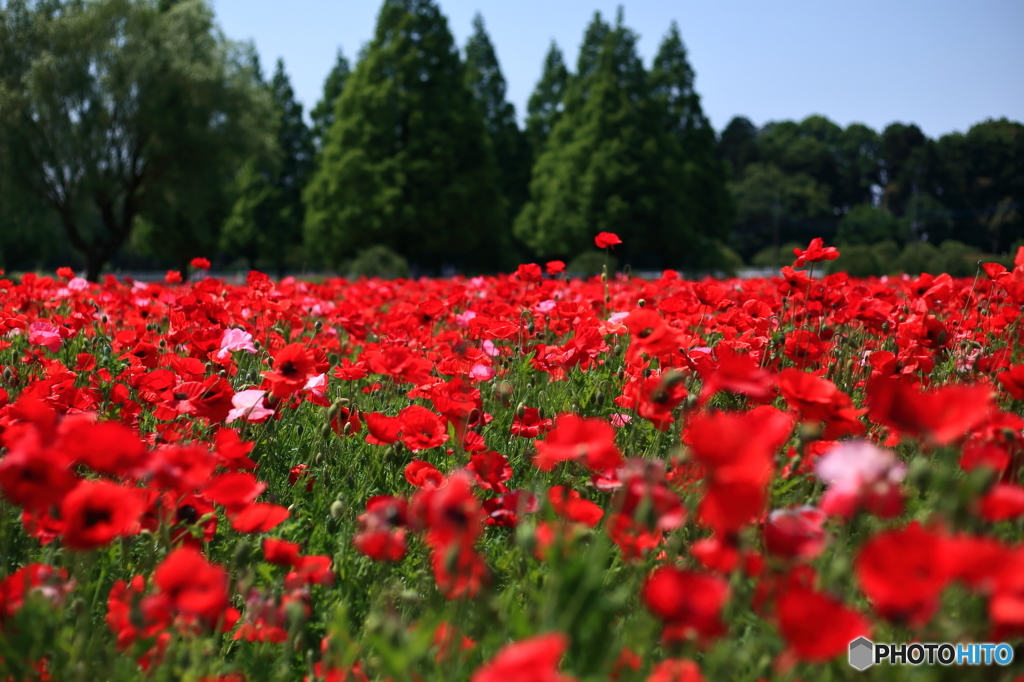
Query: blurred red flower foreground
(524,477)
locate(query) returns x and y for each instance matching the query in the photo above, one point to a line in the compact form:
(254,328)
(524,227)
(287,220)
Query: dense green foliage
(407,162)
(268,205)
(144,139)
(115,110)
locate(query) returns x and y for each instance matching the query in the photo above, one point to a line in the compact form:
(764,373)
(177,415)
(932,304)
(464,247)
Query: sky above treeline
(942,64)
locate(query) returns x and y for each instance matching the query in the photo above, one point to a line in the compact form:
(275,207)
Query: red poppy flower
(421,428)
(190,586)
(738,451)
(280,552)
(491,470)
(795,533)
(605,240)
(676,670)
(591,441)
(529,272)
(940,416)
(816,626)
(530,660)
(293,366)
(259,517)
(815,253)
(384,430)
(96,512)
(382,533)
(688,602)
(903,572)
(423,474)
(570,506)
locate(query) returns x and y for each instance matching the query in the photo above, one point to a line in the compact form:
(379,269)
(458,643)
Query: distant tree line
(132,133)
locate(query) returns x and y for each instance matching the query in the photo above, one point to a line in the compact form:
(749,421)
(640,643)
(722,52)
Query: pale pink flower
(858,472)
(317,385)
(619,420)
(233,340)
(45,334)
(462,319)
(482,372)
(249,404)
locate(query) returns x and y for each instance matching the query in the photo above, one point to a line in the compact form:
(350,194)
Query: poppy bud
(318,325)
(326,431)
(8,375)
(319,458)
(641,303)
(243,550)
(299,430)
(337,509)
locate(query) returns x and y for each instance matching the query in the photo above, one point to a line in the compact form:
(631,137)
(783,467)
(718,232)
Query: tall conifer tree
(407,162)
(547,101)
(512,152)
(694,178)
(594,174)
(322,114)
(267,218)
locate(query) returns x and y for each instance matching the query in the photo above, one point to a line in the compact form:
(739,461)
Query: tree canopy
(407,162)
(113,110)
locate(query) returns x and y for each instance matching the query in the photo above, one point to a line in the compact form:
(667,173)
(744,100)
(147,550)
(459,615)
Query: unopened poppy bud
(332,411)
(243,550)
(299,430)
(326,431)
(8,375)
(318,325)
(641,303)
(919,473)
(347,429)
(599,398)
(672,378)
(526,538)
(319,458)
(810,431)
(256,344)
(337,509)
(520,410)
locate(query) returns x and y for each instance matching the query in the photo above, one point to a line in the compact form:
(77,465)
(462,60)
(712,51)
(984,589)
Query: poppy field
(518,478)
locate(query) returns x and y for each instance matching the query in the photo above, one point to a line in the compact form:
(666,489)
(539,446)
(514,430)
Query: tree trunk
(94,260)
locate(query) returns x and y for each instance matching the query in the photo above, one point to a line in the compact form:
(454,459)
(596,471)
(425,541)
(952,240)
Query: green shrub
(856,260)
(377,261)
(591,263)
(765,258)
(958,259)
(918,257)
(886,252)
(729,262)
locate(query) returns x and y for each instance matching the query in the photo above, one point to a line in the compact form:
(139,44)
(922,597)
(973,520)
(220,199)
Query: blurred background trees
(115,112)
(144,138)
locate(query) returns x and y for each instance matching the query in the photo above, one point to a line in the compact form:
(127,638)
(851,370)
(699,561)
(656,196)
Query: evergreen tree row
(425,154)
(146,138)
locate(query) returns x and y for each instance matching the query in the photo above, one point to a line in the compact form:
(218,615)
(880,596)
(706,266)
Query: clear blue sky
(942,64)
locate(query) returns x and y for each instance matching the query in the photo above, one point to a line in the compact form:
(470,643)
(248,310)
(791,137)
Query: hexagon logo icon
(862,653)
